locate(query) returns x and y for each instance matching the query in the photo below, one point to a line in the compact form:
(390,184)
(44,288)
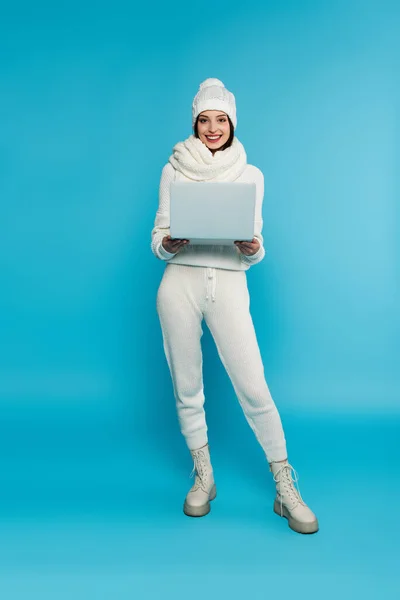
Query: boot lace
(201,471)
(287,480)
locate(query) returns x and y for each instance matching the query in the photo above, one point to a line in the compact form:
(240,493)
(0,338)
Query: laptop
(212,213)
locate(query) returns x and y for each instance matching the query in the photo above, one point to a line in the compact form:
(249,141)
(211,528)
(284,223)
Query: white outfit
(192,161)
(187,295)
(210,283)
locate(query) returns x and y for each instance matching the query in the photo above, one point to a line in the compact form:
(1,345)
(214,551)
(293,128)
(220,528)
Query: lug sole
(200,511)
(295,525)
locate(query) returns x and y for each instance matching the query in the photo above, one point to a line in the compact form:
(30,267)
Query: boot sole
(200,511)
(297,526)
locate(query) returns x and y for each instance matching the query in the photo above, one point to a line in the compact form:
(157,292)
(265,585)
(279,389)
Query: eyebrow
(206,117)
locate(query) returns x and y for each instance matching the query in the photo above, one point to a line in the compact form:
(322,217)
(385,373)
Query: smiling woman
(209,283)
(214,129)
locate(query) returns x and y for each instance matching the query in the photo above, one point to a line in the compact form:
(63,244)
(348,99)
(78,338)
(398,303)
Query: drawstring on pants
(211,278)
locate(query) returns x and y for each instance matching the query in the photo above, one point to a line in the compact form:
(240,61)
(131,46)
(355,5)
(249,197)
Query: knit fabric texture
(218,256)
(185,297)
(213,95)
(194,160)
(191,160)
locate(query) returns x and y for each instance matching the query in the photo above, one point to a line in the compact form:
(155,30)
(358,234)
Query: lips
(213,139)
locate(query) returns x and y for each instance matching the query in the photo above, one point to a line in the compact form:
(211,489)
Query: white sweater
(217,256)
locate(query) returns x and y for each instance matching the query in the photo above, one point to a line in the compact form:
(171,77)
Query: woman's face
(213,129)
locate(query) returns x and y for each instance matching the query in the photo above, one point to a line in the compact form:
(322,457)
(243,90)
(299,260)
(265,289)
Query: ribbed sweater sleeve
(258,220)
(162,221)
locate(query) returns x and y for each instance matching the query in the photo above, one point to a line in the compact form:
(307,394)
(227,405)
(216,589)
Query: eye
(223,119)
(202,120)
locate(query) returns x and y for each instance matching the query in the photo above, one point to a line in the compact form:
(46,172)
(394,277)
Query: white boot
(288,502)
(197,503)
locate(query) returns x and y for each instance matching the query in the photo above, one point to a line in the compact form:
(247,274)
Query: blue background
(94,469)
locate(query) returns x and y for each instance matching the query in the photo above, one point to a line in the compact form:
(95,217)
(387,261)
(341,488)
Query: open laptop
(212,213)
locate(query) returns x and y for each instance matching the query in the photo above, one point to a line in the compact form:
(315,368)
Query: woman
(209,282)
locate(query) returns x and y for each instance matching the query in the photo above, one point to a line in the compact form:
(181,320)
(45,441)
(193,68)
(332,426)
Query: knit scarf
(195,161)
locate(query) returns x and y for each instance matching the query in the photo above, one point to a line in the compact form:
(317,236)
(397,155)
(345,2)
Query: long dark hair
(228,141)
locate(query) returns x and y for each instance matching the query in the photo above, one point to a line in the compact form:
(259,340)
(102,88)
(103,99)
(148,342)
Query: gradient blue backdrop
(94,470)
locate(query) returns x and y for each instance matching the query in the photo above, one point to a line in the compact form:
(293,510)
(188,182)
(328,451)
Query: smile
(213,138)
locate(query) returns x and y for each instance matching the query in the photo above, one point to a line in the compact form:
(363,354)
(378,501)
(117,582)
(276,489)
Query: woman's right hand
(173,245)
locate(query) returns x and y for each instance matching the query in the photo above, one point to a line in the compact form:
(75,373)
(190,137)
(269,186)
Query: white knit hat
(213,95)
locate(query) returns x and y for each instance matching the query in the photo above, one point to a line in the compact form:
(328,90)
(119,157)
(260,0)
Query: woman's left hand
(248,248)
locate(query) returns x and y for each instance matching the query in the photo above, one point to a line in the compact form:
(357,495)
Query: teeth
(213,137)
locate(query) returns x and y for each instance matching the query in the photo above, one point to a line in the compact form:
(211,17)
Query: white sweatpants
(187,295)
